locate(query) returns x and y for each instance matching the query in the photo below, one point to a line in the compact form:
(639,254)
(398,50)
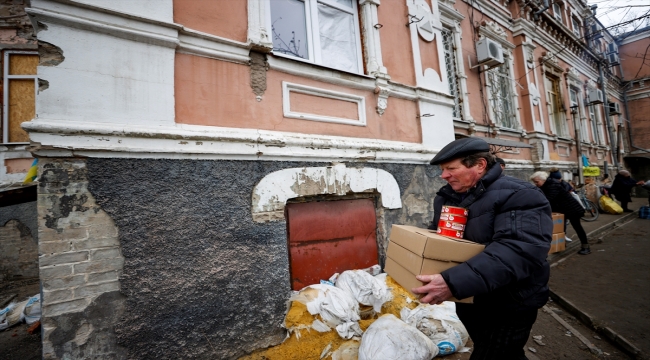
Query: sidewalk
(608,290)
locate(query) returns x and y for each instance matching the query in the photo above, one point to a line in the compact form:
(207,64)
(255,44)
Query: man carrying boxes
(502,261)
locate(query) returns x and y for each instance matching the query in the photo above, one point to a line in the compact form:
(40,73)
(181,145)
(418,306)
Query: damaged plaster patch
(272,192)
(49,54)
(259,66)
(43,84)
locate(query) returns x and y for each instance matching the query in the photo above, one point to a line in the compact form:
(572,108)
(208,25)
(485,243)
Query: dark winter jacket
(561,200)
(621,187)
(512,218)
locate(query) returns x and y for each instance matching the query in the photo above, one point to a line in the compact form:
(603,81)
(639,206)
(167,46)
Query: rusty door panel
(330,236)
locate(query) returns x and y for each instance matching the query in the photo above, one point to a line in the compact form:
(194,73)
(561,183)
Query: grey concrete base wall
(201,279)
(145,258)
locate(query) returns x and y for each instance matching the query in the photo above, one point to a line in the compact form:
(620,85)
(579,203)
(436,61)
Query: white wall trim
(103,22)
(59,138)
(270,195)
(288,88)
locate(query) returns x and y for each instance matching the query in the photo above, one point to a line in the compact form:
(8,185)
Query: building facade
(194,156)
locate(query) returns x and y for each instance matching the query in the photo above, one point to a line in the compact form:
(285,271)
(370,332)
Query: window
(578,116)
(595,124)
(576,26)
(19,94)
(554,105)
(501,96)
(557,12)
(452,73)
(324,32)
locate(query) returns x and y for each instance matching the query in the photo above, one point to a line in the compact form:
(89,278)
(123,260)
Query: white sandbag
(349,350)
(365,288)
(12,314)
(336,307)
(389,338)
(440,324)
(32,312)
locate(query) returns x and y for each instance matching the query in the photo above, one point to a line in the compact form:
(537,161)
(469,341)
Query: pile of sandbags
(395,326)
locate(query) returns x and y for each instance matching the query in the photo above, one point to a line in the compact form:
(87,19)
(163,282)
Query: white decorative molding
(288,88)
(270,195)
(257,33)
(534,94)
(427,78)
(201,44)
(59,138)
(103,21)
(383,91)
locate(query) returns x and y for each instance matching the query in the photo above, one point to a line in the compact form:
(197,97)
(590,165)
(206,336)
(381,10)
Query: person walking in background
(622,186)
(557,175)
(501,163)
(561,201)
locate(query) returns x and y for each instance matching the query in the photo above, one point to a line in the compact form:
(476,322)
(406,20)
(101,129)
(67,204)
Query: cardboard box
(427,243)
(558,223)
(558,243)
(413,251)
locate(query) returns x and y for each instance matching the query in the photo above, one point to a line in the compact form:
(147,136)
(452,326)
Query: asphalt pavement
(604,295)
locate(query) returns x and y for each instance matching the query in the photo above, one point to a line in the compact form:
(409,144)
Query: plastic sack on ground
(440,324)
(12,314)
(365,288)
(336,307)
(389,338)
(32,312)
(609,205)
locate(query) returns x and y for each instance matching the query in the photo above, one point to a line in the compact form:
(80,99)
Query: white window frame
(5,97)
(576,27)
(574,97)
(557,119)
(595,123)
(313,38)
(490,76)
(557,12)
(455,88)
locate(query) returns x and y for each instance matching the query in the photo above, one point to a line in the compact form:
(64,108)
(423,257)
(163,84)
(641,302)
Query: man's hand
(436,290)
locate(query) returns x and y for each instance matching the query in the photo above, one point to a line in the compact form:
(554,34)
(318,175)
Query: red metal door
(327,237)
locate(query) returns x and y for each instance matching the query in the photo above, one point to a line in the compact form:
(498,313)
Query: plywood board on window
(22,107)
(20,64)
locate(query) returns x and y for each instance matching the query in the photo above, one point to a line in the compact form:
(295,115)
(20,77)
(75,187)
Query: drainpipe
(576,126)
(613,147)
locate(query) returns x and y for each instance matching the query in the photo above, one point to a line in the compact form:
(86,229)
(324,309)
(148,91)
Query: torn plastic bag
(366,289)
(12,314)
(32,312)
(336,307)
(389,338)
(440,324)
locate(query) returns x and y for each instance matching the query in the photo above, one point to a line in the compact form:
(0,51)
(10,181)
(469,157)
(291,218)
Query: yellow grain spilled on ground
(311,343)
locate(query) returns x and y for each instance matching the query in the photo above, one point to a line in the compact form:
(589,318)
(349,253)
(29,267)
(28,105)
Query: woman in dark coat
(562,202)
(622,186)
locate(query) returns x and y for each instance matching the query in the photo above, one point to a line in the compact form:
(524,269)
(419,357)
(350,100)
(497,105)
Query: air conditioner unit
(614,108)
(594,96)
(489,52)
(612,48)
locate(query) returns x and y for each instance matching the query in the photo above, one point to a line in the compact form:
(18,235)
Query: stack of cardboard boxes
(558,242)
(413,251)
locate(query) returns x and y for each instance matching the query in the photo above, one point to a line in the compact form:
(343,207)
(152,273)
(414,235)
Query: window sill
(310,63)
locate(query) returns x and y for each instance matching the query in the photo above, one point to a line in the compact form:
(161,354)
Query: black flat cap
(459,148)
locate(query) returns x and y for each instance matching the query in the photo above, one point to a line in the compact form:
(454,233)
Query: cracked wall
(80,264)
(201,279)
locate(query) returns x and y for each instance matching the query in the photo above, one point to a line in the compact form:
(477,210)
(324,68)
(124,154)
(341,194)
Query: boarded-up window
(19,94)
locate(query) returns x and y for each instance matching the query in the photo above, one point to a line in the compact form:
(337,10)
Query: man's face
(460,177)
